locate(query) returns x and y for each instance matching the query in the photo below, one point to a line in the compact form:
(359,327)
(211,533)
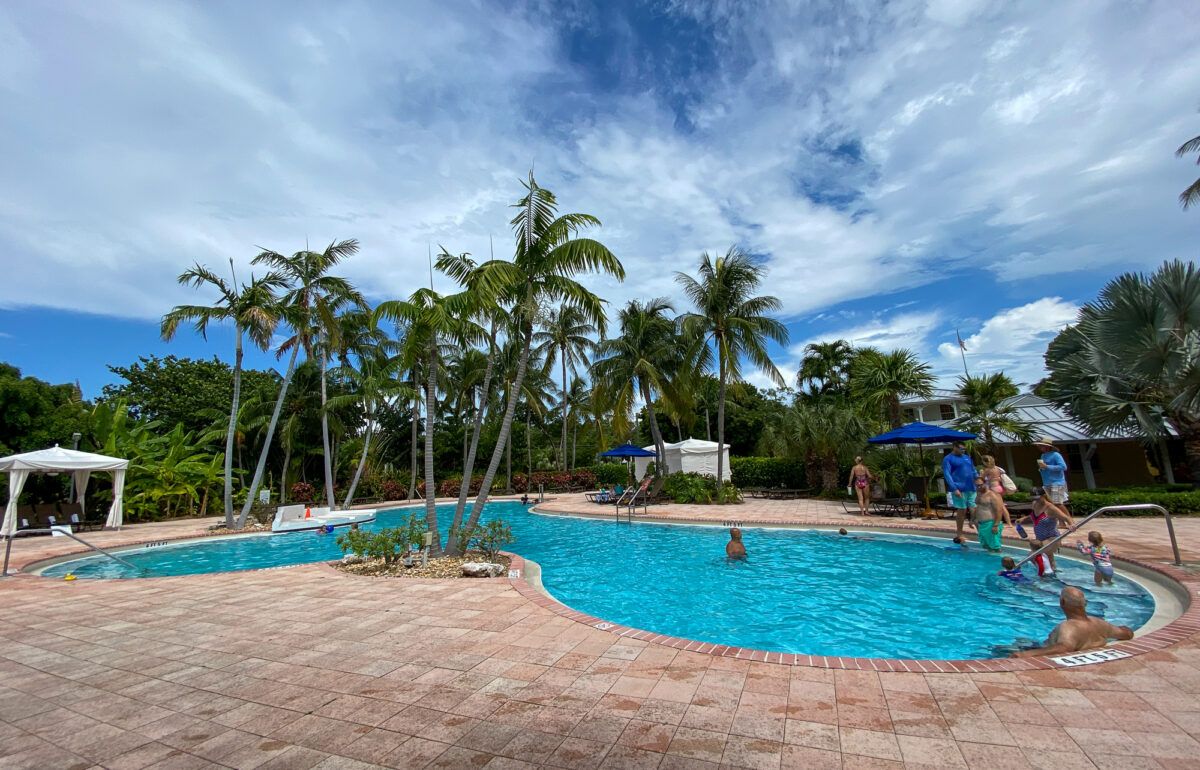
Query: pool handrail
(60,530)
(1130,507)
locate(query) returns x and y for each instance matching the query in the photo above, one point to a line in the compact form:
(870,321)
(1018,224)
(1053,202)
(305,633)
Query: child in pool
(1011,571)
(1045,567)
(1101,557)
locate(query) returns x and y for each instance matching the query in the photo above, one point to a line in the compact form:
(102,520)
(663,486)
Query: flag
(961,345)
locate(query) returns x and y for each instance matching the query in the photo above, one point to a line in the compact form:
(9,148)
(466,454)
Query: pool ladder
(1106,509)
(65,531)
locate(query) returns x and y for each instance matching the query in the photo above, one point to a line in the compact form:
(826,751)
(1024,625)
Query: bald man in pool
(1080,631)
(734,548)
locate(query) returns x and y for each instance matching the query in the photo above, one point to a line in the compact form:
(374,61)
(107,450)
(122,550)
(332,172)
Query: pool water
(811,591)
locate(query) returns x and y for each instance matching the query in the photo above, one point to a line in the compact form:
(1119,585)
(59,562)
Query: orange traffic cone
(308,513)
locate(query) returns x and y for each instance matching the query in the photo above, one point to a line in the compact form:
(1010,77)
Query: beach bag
(1006,482)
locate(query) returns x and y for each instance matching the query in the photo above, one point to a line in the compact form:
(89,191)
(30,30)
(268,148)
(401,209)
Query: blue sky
(905,169)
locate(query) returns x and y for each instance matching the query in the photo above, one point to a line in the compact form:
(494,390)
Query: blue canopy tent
(627,450)
(921,433)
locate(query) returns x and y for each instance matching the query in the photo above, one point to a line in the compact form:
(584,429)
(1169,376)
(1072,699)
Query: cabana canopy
(58,460)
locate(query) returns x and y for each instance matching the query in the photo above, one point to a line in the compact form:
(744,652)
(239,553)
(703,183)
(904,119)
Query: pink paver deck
(307,667)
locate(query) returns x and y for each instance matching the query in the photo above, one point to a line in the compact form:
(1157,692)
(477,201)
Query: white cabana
(691,455)
(80,465)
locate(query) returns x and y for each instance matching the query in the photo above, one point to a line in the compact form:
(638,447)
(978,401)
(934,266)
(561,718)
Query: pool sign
(514,574)
(604,626)
(1087,658)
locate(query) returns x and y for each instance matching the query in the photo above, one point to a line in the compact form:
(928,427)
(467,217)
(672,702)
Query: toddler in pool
(1101,557)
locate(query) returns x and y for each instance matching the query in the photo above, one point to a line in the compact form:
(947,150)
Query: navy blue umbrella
(921,433)
(628,450)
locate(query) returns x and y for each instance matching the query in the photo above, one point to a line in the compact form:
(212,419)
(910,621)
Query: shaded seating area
(72,513)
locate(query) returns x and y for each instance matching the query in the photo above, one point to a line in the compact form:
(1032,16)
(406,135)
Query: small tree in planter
(303,492)
(489,539)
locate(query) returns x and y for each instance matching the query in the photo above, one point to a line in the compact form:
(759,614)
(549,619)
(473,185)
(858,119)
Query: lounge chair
(73,513)
(654,495)
(46,515)
(25,517)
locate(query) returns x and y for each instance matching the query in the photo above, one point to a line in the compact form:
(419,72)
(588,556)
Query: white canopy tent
(691,455)
(81,465)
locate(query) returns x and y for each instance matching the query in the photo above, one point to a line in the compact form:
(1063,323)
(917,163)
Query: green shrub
(489,538)
(767,472)
(611,473)
(386,544)
(697,488)
(1085,501)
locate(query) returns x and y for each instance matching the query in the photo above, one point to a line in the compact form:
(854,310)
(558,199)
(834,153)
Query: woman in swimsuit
(860,479)
(1045,517)
(991,474)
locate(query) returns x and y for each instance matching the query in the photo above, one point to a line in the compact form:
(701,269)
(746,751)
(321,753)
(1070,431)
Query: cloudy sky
(904,169)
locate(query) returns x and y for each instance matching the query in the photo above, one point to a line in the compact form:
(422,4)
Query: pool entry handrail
(66,532)
(1107,509)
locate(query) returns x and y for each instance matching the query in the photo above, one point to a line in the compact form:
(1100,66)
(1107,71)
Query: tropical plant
(826,434)
(565,337)
(309,307)
(639,363)
(1191,195)
(253,310)
(825,368)
(986,408)
(734,321)
(880,380)
(1132,359)
(548,255)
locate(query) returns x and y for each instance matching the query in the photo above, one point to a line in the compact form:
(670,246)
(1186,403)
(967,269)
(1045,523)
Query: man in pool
(734,548)
(1080,631)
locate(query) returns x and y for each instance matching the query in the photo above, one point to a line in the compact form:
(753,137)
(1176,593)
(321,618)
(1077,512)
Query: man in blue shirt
(960,474)
(1053,468)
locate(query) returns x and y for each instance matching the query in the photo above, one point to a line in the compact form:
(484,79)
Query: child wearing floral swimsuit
(1101,557)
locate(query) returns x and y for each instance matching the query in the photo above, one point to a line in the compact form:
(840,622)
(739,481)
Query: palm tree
(985,409)
(318,297)
(879,380)
(432,321)
(1191,195)
(825,433)
(548,254)
(374,384)
(1132,360)
(734,321)
(253,310)
(638,364)
(825,368)
(309,305)
(566,335)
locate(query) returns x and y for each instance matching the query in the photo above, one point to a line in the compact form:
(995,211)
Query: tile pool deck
(306,667)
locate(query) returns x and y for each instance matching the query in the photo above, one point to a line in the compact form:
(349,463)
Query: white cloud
(1013,340)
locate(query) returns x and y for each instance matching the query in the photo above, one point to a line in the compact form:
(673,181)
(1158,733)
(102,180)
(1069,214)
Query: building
(1118,459)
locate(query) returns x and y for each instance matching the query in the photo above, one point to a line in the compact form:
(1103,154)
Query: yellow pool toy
(69,576)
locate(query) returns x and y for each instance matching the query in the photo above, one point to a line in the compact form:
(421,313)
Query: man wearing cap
(1053,468)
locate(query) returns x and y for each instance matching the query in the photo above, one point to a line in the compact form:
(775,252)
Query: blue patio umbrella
(628,450)
(921,433)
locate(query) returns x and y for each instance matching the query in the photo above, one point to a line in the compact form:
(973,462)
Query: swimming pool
(811,591)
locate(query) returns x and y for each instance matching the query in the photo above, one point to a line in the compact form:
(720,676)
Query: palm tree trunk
(707,424)
(720,420)
(325,436)
(262,458)
(508,487)
(287,460)
(431,518)
(362,461)
(564,408)
(233,411)
(528,452)
(655,434)
(574,446)
(505,429)
(412,482)
(464,489)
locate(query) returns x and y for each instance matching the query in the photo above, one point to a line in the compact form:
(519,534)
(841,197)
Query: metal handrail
(1133,507)
(64,530)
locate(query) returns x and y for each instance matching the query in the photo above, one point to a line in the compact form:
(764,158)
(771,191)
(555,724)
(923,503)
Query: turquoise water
(817,592)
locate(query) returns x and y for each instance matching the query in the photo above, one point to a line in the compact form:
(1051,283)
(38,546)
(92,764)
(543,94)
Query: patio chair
(25,517)
(46,515)
(73,513)
(654,495)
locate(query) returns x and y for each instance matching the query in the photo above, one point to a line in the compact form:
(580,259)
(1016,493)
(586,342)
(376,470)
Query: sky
(903,170)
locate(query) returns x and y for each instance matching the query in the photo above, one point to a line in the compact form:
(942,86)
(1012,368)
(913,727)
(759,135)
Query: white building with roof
(1115,459)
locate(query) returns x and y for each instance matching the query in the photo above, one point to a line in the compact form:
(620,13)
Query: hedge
(749,472)
(1085,501)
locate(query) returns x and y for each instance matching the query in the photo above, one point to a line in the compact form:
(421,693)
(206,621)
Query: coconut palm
(825,368)
(318,297)
(253,309)
(1132,359)
(565,336)
(548,255)
(880,380)
(1191,195)
(825,433)
(309,307)
(638,363)
(432,321)
(374,384)
(985,409)
(734,321)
